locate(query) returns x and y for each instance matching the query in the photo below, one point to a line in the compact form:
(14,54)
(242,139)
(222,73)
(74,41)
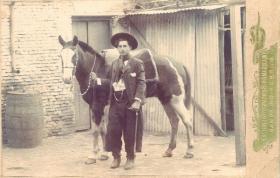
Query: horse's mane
(86,47)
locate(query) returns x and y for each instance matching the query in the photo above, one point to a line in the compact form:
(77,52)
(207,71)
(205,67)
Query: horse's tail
(187,89)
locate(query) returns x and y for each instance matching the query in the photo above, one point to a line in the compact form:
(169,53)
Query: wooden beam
(210,120)
(238,84)
(222,72)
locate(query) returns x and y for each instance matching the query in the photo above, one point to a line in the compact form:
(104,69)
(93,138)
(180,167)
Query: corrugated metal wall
(174,35)
(207,77)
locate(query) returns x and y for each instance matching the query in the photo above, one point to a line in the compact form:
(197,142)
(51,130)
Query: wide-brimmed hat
(125,36)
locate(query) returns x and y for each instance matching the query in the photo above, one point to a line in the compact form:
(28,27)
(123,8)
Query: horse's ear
(61,41)
(75,40)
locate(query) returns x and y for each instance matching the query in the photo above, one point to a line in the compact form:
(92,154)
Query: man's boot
(129,164)
(117,160)
(116,163)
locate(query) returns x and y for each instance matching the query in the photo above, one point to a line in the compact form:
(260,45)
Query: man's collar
(126,57)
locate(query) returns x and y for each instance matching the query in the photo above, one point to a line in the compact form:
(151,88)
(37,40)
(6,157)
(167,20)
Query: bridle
(75,68)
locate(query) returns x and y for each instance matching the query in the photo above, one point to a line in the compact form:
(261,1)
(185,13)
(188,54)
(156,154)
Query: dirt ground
(65,156)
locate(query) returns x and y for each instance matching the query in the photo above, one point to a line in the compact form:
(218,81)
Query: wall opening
(96,32)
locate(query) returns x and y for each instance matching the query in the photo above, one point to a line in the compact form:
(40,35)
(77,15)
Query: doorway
(226,49)
(96,32)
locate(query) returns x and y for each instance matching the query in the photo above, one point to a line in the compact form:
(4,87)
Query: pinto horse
(172,88)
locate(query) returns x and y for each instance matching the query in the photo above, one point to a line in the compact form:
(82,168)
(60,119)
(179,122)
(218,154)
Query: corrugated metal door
(97,34)
(207,76)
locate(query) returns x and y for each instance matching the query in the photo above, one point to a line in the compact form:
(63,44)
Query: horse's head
(69,57)
(78,58)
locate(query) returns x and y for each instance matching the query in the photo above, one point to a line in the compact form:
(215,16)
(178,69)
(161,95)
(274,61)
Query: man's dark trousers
(122,122)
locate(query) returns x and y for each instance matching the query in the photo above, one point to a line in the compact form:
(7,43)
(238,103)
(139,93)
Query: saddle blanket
(144,54)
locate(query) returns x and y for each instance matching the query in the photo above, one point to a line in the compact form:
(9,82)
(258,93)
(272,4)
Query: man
(127,93)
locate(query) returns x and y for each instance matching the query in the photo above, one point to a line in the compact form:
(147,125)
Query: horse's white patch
(66,55)
(154,64)
(101,130)
(96,132)
(180,82)
(177,102)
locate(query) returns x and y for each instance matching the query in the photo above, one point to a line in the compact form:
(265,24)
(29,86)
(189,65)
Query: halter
(75,69)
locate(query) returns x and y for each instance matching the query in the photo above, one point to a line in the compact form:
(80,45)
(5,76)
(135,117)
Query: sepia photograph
(146,88)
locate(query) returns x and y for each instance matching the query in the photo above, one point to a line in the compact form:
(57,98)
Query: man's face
(123,48)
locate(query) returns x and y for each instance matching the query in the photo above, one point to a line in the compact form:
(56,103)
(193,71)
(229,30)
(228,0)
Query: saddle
(151,72)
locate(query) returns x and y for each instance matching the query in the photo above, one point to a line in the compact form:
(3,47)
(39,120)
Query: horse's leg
(174,120)
(103,131)
(93,155)
(177,102)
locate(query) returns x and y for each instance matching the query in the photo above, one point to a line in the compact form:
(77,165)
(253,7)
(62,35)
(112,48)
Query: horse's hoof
(90,161)
(188,155)
(103,157)
(167,154)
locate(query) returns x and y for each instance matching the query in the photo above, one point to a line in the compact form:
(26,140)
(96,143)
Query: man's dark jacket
(133,76)
(134,80)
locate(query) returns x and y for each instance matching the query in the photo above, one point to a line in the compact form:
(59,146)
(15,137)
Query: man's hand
(93,76)
(135,105)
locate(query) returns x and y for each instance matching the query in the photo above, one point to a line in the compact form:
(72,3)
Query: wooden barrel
(24,119)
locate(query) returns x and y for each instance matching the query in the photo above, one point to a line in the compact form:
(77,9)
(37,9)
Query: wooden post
(209,119)
(222,70)
(238,86)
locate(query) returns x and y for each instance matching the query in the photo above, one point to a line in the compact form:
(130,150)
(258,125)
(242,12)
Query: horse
(172,88)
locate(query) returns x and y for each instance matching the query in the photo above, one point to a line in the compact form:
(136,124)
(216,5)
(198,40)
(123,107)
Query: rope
(75,70)
(89,78)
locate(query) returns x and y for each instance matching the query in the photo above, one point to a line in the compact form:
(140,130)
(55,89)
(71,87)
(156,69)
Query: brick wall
(36,26)
(36,56)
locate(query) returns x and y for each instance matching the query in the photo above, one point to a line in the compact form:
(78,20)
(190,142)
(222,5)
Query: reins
(75,70)
(89,78)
